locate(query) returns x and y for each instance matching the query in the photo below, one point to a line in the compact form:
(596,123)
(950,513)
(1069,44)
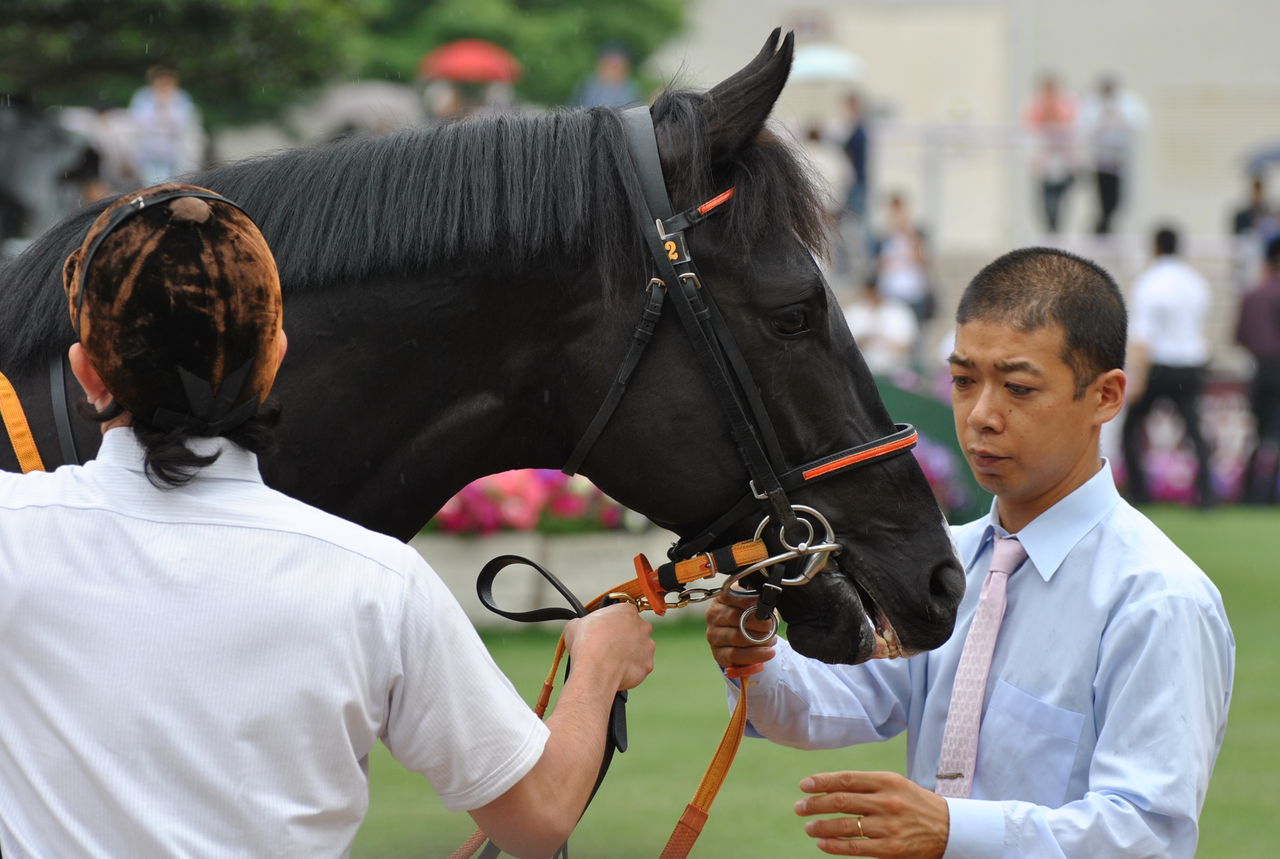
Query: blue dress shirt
(1106,702)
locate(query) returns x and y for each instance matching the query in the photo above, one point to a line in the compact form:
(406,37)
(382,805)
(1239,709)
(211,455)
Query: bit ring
(755,638)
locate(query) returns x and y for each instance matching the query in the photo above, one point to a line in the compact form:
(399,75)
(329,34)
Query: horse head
(895,582)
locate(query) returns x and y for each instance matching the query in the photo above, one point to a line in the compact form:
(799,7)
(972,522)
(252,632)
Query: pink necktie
(960,736)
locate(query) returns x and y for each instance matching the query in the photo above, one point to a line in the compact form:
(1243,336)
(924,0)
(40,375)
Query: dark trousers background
(1263,467)
(1108,200)
(1181,386)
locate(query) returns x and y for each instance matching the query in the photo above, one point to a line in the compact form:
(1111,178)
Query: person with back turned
(197,665)
(1168,354)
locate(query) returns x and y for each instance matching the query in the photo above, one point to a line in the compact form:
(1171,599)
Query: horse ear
(739,105)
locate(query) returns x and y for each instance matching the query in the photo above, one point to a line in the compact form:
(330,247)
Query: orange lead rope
(689,827)
(15,424)
(647,592)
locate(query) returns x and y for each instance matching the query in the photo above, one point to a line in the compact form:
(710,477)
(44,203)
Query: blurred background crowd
(1142,135)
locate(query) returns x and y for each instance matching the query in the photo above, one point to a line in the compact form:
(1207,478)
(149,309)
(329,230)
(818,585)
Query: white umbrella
(823,62)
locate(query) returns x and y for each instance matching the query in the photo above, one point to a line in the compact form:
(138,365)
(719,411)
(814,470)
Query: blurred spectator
(1256,213)
(1051,117)
(41,168)
(113,136)
(855,147)
(902,263)
(1168,354)
(1252,226)
(831,168)
(442,101)
(170,137)
(497,97)
(611,84)
(1110,120)
(1258,330)
(854,249)
(885,330)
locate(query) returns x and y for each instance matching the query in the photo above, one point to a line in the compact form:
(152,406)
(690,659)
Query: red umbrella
(470,61)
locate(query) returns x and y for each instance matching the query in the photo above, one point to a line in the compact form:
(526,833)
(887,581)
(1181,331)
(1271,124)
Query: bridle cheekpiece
(735,389)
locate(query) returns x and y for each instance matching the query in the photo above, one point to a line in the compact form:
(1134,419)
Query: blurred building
(945,82)
(947,78)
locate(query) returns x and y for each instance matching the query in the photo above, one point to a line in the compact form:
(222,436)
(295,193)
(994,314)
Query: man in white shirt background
(1096,726)
(1168,352)
(195,664)
(884,328)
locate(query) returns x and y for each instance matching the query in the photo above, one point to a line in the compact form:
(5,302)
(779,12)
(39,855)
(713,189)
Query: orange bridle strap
(15,424)
(903,441)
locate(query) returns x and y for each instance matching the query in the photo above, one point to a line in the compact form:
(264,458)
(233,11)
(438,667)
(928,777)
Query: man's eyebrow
(1018,367)
(955,358)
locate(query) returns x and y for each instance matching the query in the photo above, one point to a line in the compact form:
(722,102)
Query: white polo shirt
(202,671)
(1170,307)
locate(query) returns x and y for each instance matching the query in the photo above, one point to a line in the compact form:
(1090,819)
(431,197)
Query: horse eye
(792,322)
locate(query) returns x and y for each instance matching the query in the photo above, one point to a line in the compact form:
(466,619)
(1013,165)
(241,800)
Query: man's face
(1027,438)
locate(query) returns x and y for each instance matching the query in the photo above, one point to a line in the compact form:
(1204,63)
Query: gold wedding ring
(861,834)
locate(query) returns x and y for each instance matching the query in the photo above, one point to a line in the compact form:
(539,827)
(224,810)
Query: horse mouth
(878,627)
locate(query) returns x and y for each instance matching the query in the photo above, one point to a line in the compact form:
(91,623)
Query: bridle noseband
(735,389)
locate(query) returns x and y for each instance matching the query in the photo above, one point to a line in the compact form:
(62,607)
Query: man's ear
(1109,389)
(94,388)
(282,347)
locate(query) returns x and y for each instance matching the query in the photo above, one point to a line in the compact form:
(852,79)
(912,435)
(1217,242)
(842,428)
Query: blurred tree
(555,40)
(239,59)
(244,59)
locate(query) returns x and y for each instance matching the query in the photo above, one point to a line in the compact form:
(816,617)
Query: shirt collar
(1054,533)
(121,448)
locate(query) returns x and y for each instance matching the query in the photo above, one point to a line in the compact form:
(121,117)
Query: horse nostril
(946,585)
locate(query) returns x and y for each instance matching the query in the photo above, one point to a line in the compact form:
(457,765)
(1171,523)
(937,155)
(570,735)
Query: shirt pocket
(1026,748)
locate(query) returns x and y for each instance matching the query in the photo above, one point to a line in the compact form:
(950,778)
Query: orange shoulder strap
(15,424)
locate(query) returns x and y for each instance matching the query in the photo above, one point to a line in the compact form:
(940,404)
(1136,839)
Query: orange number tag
(675,248)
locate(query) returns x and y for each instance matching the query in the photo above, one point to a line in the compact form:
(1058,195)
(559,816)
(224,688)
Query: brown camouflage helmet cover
(176,299)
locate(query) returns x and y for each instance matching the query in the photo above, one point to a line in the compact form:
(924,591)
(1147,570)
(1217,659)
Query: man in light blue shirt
(1106,701)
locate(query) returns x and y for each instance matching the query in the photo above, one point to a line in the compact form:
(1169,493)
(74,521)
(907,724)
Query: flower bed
(540,499)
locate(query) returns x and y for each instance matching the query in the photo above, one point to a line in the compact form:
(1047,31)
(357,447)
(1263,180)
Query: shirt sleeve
(1161,696)
(807,704)
(453,715)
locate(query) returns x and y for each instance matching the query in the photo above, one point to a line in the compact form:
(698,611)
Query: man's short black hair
(1166,241)
(1033,287)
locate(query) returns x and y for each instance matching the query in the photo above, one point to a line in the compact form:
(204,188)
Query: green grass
(676,718)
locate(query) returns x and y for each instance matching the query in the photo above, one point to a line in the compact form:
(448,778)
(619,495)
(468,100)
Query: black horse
(459,299)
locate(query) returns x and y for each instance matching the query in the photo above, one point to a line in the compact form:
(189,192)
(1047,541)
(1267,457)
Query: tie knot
(1007,555)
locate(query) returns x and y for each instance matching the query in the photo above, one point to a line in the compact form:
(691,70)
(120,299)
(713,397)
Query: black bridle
(722,362)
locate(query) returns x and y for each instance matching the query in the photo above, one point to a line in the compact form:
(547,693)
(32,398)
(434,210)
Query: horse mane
(504,190)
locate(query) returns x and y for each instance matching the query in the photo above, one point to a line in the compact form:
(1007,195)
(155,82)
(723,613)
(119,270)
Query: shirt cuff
(976,829)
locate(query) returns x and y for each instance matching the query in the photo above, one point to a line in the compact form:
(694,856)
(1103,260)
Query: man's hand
(614,636)
(884,815)
(729,646)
